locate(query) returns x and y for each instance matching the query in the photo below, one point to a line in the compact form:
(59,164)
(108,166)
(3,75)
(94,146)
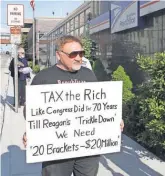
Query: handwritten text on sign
(73,120)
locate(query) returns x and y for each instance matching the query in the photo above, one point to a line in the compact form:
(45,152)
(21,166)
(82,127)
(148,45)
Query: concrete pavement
(133,160)
(4,81)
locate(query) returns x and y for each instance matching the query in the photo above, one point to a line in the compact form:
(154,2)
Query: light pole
(33,40)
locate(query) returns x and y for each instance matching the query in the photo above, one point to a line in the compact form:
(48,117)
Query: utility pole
(32,3)
(33,39)
(15,19)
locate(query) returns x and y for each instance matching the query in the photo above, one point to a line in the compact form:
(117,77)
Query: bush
(145,114)
(30,64)
(128,98)
(87,45)
(152,103)
(129,102)
(36,68)
(120,75)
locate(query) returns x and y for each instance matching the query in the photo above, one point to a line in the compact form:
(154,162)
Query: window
(64,28)
(96,8)
(82,30)
(76,33)
(134,35)
(61,30)
(81,18)
(26,25)
(138,33)
(163,20)
(72,33)
(68,27)
(142,33)
(104,7)
(87,15)
(148,21)
(76,22)
(72,24)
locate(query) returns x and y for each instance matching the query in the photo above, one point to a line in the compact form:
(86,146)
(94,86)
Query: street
(133,160)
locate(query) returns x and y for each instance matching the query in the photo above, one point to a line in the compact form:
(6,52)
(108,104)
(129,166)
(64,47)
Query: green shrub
(36,68)
(30,64)
(120,75)
(128,100)
(87,44)
(152,103)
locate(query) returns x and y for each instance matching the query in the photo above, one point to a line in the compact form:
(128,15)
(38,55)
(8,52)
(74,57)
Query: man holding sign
(67,70)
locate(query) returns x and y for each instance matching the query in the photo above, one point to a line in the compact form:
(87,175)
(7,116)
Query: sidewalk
(133,160)
(4,81)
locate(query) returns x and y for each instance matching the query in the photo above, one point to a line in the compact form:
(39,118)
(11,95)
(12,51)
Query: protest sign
(73,120)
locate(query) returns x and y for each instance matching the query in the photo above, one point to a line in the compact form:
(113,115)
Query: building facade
(42,26)
(122,29)
(28,23)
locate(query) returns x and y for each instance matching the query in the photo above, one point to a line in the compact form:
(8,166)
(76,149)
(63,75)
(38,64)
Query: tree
(87,45)
(24,42)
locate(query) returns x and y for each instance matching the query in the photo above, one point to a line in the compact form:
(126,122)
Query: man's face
(21,54)
(71,56)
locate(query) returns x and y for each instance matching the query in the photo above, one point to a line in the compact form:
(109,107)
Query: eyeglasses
(74,54)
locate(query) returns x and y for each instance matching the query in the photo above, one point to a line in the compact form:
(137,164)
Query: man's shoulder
(43,75)
(86,70)
(89,74)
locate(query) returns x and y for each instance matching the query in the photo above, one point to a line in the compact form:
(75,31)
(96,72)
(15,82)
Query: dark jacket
(20,75)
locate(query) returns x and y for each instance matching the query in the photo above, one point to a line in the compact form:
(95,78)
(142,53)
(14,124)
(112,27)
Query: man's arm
(26,65)
(28,75)
(24,111)
(35,81)
(11,66)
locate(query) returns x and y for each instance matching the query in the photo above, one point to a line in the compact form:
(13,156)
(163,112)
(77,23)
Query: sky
(42,8)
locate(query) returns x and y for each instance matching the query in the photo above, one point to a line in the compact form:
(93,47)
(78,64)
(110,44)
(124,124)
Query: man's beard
(76,66)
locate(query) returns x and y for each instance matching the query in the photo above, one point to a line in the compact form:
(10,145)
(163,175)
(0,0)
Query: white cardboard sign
(73,120)
(15,15)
